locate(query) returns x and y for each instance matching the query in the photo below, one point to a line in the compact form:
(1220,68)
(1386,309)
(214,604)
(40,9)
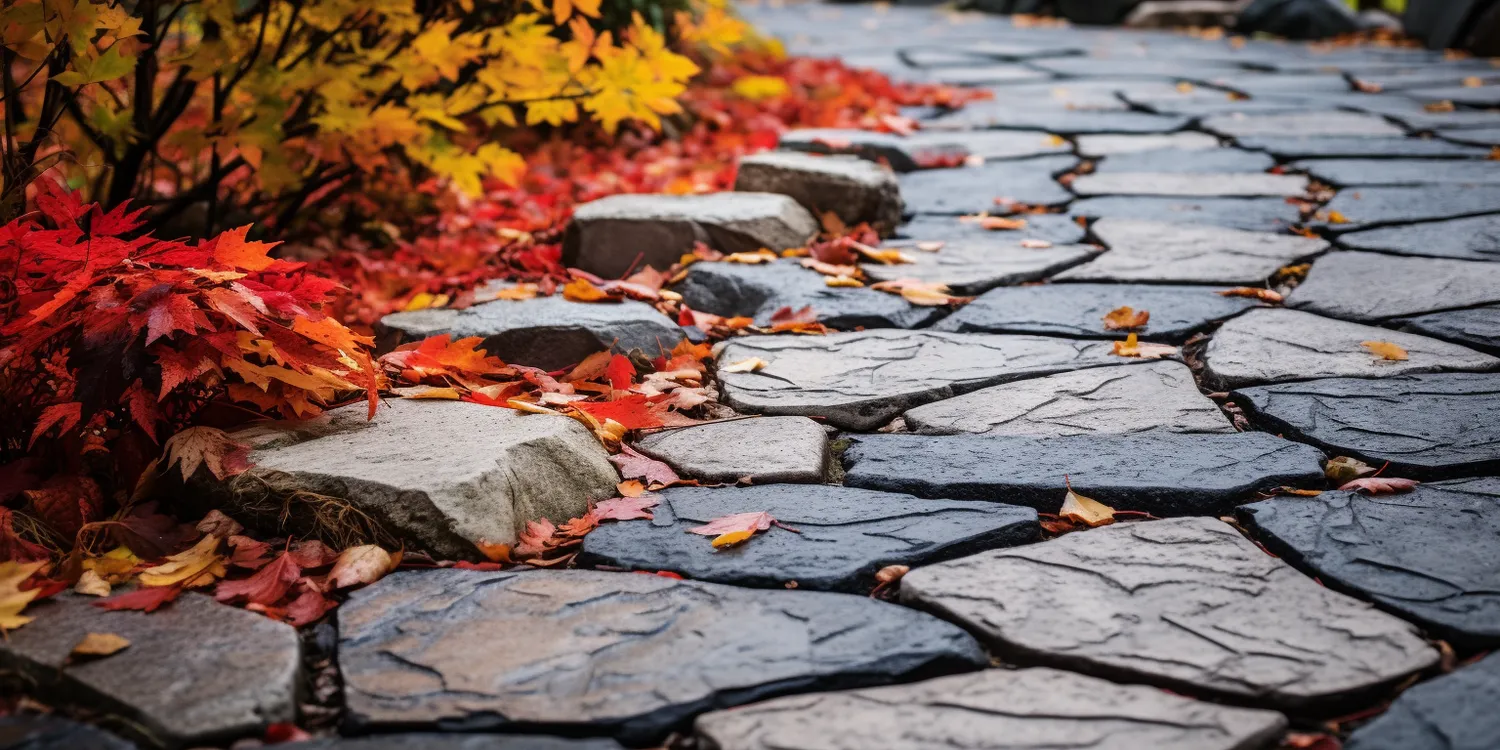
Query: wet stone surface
(44,732)
(1211,185)
(1340,286)
(1328,123)
(999,115)
(1359,172)
(1290,147)
(1182,161)
(758,291)
(1151,251)
(1367,207)
(1057,229)
(975,265)
(971,190)
(1177,312)
(1478,327)
(764,450)
(1473,238)
(1452,712)
(1095,146)
(1248,214)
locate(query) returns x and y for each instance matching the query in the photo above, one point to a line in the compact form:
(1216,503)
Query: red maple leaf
(266,587)
(620,372)
(143,599)
(633,411)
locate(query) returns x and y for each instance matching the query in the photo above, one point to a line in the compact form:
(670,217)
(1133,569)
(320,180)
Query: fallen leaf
(734,529)
(434,392)
(308,607)
(930,246)
(219,525)
(753,364)
(1334,217)
(1343,469)
(888,256)
(12,598)
(634,465)
(198,566)
(620,372)
(266,587)
(1125,318)
(1299,492)
(759,256)
(582,290)
(1385,350)
(1473,82)
(100,645)
(804,320)
(143,599)
(631,488)
(1267,295)
(918,292)
(311,553)
(360,565)
(1001,224)
(207,446)
(1380,485)
(518,292)
(891,573)
(1086,510)
(842,282)
(632,412)
(90,584)
(1035,244)
(832,224)
(829,269)
(248,553)
(534,538)
(626,508)
(1133,347)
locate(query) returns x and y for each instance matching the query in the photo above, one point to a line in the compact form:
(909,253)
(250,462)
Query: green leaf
(106,67)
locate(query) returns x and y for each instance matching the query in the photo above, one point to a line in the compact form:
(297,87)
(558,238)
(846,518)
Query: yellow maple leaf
(198,566)
(1086,510)
(1385,350)
(12,598)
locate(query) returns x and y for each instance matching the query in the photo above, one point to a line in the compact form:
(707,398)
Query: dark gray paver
(764,450)
(1250,214)
(1059,229)
(1006,116)
(1191,184)
(1330,122)
(1155,251)
(1477,327)
(1341,285)
(1469,96)
(1356,147)
(974,266)
(1452,712)
(758,291)
(1177,311)
(981,75)
(971,190)
(1125,67)
(1365,207)
(1120,145)
(46,732)
(851,188)
(1486,137)
(1473,238)
(1195,161)
(922,149)
(1359,172)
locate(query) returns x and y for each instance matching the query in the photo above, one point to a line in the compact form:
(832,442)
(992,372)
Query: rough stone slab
(765,450)
(1055,228)
(1367,207)
(1474,238)
(861,380)
(1249,214)
(1119,145)
(1331,122)
(434,741)
(1204,106)
(1452,712)
(1154,251)
(971,190)
(1289,147)
(1431,555)
(1468,96)
(758,291)
(996,709)
(1477,327)
(1007,116)
(844,535)
(1165,474)
(1287,83)
(196,672)
(1373,286)
(1207,185)
(1116,400)
(607,235)
(1426,426)
(1487,137)
(1185,603)
(1360,172)
(974,267)
(1274,345)
(1126,67)
(1186,161)
(621,654)
(855,190)
(47,732)
(1076,95)
(985,75)
(443,475)
(913,152)
(1177,312)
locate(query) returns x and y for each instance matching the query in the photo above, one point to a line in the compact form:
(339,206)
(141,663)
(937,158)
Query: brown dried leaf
(99,645)
(1125,318)
(1380,485)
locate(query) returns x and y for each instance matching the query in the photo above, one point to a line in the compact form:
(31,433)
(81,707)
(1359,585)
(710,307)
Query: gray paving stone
(1275,345)
(1472,238)
(1249,214)
(1477,327)
(983,75)
(1006,116)
(1367,207)
(1059,229)
(1425,426)
(922,149)
(1177,312)
(1360,172)
(861,380)
(758,291)
(1071,95)
(1206,185)
(996,709)
(1398,551)
(843,536)
(1118,145)
(855,190)
(1154,251)
(971,190)
(196,672)
(1341,283)
(1124,67)
(1195,161)
(1476,125)
(46,732)
(1288,147)
(1162,473)
(419,650)
(1331,122)
(1484,137)
(1296,83)
(976,266)
(765,450)
(1200,106)
(1185,603)
(1452,712)
(434,741)
(1469,96)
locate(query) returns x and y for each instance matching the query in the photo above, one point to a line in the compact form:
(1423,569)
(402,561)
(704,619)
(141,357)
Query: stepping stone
(1118,400)
(976,266)
(1058,96)
(971,190)
(1186,603)
(758,291)
(921,149)
(1058,229)
(1474,238)
(843,535)
(1358,172)
(1477,327)
(1287,147)
(1157,251)
(983,75)
(47,732)
(1181,161)
(195,672)
(1007,115)
(996,709)
(1295,83)
(1330,122)
(441,475)
(546,332)
(1399,551)
(1177,312)
(424,741)
(1121,67)
(860,380)
(1115,145)
(1207,185)
(1274,345)
(419,650)
(1486,137)
(1426,426)
(1452,712)
(976,53)
(1161,473)
(1466,96)
(1368,207)
(1341,285)
(855,190)
(609,236)
(1200,106)
(764,450)
(1250,214)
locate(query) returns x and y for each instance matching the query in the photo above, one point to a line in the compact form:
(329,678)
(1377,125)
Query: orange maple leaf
(232,250)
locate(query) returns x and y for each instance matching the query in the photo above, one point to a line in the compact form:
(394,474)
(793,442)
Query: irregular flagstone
(1274,345)
(1294,83)
(1205,106)
(1288,147)
(1075,95)
(47,732)
(1162,473)
(1452,712)
(1353,172)
(1473,238)
(1377,206)
(843,536)
(1211,185)
(758,291)
(764,450)
(1008,116)
(1373,286)
(855,190)
(1469,96)
(1183,161)
(1331,122)
(996,709)
(196,672)
(970,267)
(1105,400)
(441,475)
(434,741)
(981,75)
(1177,312)
(1058,229)
(420,649)
(1185,603)
(1249,214)
(1124,67)
(1477,327)
(610,235)
(971,190)
(860,380)
(1399,551)
(1486,137)
(1154,251)
(1438,425)
(922,149)
(1119,145)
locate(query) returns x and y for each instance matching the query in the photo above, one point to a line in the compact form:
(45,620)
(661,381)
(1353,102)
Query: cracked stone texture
(1477,327)
(1125,67)
(1302,123)
(1452,712)
(1368,207)
(758,291)
(855,190)
(1177,312)
(1055,228)
(197,672)
(1359,172)
(546,332)
(633,656)
(1186,161)
(970,267)
(1102,400)
(1474,238)
(1162,473)
(1119,145)
(971,190)
(1248,214)
(1186,604)
(1398,551)
(1345,285)
(766,450)
(47,732)
(1426,426)
(996,709)
(1157,251)
(1274,345)
(433,741)
(1469,96)
(913,152)
(860,380)
(844,535)
(442,475)
(1289,147)
(1004,115)
(1227,185)
(607,235)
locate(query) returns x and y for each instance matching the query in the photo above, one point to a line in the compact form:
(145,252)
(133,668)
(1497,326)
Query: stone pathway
(1148,170)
